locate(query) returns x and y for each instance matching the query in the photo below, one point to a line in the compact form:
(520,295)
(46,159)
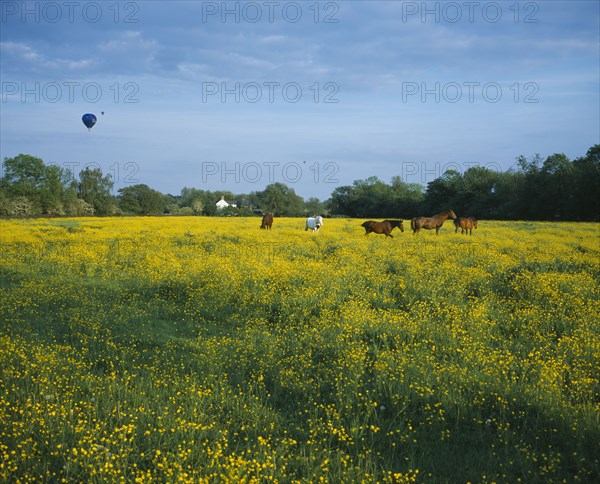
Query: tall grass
(193,349)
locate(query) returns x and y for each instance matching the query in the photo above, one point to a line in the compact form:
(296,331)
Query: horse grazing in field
(465,224)
(429,223)
(267,221)
(384,227)
(314,223)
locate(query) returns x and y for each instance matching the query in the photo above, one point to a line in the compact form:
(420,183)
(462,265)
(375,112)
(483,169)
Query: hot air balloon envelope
(89,120)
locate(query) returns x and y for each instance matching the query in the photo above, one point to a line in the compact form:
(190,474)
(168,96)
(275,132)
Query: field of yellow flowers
(190,349)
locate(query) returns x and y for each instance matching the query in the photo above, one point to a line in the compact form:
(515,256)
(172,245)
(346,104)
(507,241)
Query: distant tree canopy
(280,200)
(375,199)
(95,189)
(29,187)
(141,200)
(552,189)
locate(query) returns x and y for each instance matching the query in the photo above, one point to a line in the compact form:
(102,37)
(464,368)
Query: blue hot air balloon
(89,120)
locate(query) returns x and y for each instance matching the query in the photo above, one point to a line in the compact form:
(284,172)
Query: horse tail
(413,223)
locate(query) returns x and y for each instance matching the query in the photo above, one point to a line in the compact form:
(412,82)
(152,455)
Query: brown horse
(466,225)
(384,227)
(267,221)
(429,223)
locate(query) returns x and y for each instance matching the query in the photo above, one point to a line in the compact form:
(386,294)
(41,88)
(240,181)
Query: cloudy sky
(237,95)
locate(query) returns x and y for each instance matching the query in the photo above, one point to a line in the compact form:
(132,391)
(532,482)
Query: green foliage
(280,200)
(141,200)
(95,189)
(23,175)
(372,198)
(191,197)
(29,187)
(313,206)
(552,189)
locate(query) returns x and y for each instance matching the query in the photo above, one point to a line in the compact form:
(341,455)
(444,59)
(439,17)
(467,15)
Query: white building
(221,204)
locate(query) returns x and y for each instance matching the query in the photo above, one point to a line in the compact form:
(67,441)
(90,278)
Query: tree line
(536,189)
(29,187)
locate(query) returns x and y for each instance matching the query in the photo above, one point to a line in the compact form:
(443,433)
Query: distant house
(221,204)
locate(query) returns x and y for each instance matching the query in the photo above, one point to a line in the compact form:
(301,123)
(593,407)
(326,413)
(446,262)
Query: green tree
(197,207)
(408,197)
(586,186)
(39,188)
(94,188)
(280,200)
(478,193)
(22,177)
(141,200)
(244,204)
(341,200)
(23,174)
(530,193)
(555,197)
(54,190)
(508,190)
(365,198)
(313,206)
(373,198)
(443,193)
(190,197)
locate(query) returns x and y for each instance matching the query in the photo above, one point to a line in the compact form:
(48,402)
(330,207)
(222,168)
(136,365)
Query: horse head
(397,223)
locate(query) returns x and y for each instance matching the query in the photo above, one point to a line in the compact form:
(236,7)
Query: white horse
(314,223)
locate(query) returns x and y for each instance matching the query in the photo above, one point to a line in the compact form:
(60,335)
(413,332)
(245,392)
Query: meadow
(192,349)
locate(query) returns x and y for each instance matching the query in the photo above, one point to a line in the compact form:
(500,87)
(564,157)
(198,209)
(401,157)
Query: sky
(234,96)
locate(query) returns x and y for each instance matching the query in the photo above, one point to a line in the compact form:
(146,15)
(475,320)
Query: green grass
(370,365)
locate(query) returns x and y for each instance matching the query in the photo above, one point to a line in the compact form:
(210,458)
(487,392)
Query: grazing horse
(429,223)
(267,221)
(384,227)
(314,223)
(466,225)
